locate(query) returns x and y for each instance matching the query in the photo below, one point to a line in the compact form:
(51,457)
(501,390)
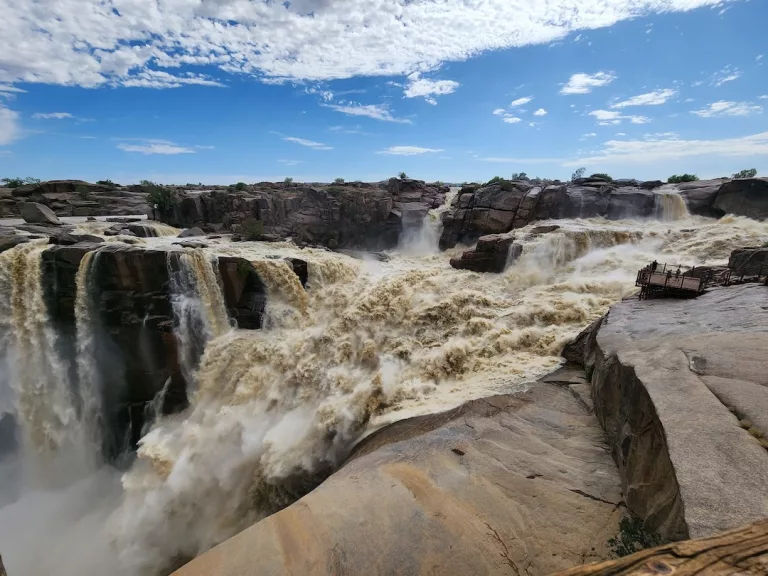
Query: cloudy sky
(229,90)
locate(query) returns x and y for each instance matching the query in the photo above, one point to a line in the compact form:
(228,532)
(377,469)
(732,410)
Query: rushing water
(275,410)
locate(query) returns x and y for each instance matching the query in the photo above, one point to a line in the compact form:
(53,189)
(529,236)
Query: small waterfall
(37,374)
(89,384)
(198,306)
(423,241)
(670,206)
(157,229)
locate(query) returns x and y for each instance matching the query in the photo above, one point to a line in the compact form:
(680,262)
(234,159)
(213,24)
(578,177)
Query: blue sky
(220,91)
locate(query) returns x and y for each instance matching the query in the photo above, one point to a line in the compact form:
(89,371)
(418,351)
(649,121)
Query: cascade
(88,382)
(158,229)
(44,402)
(670,206)
(423,241)
(198,305)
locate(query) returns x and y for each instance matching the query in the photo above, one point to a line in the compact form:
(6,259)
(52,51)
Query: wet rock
(122,219)
(544,229)
(91,219)
(437,494)
(8,242)
(35,213)
(700,197)
(190,232)
(192,244)
(491,254)
(749,261)
(69,239)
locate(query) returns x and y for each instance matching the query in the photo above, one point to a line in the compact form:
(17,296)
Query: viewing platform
(661,280)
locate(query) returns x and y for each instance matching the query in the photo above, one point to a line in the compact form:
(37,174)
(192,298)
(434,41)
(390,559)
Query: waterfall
(38,375)
(423,241)
(198,306)
(670,206)
(158,229)
(85,345)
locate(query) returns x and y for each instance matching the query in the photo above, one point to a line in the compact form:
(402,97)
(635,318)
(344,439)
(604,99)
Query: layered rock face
(522,483)
(499,208)
(680,388)
(74,198)
(137,351)
(346,215)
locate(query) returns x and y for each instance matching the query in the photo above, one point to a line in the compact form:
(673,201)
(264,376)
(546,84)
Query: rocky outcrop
(133,326)
(35,213)
(74,198)
(501,207)
(749,261)
(492,254)
(522,483)
(191,232)
(743,197)
(338,216)
(681,390)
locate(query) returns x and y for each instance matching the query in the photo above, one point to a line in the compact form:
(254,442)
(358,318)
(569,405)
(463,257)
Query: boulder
(700,195)
(35,213)
(67,239)
(749,261)
(491,254)
(521,483)
(191,232)
(681,390)
(744,197)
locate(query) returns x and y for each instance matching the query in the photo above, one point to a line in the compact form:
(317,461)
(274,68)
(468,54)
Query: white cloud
(764,97)
(307,143)
(290,162)
(583,83)
(9,92)
(540,112)
(620,134)
(163,147)
(520,101)
(512,119)
(609,117)
(727,74)
(759,57)
(9,125)
(654,98)
(499,112)
(408,150)
(656,150)
(589,135)
(424,88)
(725,108)
(375,111)
(125,42)
(52,116)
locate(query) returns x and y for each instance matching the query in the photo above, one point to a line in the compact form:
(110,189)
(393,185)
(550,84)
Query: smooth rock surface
(35,213)
(666,376)
(519,482)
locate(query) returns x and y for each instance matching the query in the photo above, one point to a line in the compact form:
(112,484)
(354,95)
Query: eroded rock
(35,213)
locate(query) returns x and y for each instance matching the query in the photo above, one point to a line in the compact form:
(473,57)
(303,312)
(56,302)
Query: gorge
(244,373)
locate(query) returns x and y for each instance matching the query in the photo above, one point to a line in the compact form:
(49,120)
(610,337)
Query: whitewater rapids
(366,344)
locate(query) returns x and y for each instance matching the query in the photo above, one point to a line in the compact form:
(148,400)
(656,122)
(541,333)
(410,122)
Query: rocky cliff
(74,198)
(498,208)
(681,390)
(137,353)
(345,215)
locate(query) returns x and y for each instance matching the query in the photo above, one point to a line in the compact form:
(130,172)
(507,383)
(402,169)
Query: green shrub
(158,195)
(240,186)
(603,176)
(680,178)
(519,176)
(495,180)
(288,180)
(107,183)
(633,537)
(751,173)
(252,229)
(335,190)
(339,181)
(16,182)
(578,174)
(402,176)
